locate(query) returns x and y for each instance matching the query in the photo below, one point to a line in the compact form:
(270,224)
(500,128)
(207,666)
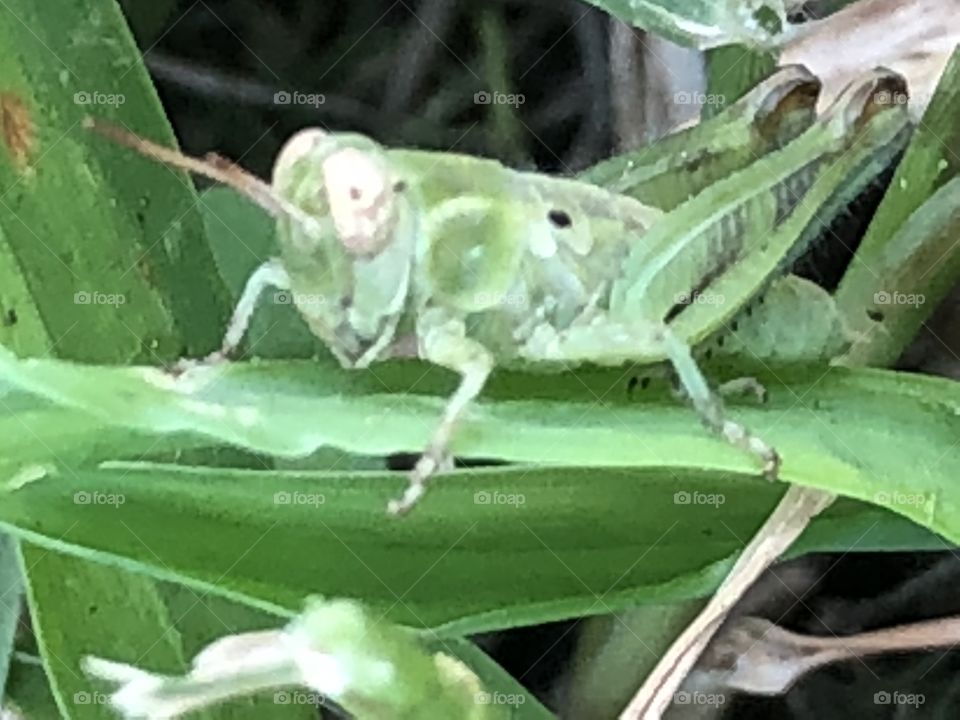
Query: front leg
(443,341)
(270,274)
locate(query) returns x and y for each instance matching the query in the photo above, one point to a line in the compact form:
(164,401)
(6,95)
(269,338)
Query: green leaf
(101,258)
(280,407)
(523,704)
(11,590)
(909,260)
(577,530)
(583,541)
(616,652)
(119,259)
(28,691)
(200,619)
(704,23)
(94,609)
(126,617)
(731,71)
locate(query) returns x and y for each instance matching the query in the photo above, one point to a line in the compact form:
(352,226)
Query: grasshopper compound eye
(361,197)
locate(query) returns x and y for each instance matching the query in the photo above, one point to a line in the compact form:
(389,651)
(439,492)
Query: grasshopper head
(346,231)
(350,257)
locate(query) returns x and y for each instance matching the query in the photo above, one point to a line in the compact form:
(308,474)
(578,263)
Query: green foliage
(609,495)
(704,23)
(909,259)
(144,533)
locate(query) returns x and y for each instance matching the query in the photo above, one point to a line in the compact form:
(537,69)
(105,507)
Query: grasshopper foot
(771,468)
(744,386)
(736,434)
(432,462)
(183,365)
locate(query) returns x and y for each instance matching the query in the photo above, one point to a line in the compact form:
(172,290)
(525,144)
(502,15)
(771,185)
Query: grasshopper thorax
(350,266)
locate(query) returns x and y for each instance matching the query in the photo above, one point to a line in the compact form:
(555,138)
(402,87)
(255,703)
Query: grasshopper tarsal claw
(771,470)
(744,386)
(432,462)
(185,365)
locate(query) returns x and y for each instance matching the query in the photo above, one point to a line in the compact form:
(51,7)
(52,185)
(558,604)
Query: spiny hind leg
(612,342)
(444,342)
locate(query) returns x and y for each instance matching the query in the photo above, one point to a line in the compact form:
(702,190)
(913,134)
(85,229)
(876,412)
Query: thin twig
(788,520)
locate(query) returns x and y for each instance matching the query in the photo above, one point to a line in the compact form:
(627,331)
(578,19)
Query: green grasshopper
(470,265)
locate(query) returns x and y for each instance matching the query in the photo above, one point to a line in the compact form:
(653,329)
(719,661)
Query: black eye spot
(10,319)
(708,354)
(399,186)
(559,219)
(875,315)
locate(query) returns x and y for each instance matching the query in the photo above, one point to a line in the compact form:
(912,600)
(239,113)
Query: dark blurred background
(408,72)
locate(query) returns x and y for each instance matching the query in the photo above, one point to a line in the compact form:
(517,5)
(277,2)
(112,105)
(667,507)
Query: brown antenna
(214,167)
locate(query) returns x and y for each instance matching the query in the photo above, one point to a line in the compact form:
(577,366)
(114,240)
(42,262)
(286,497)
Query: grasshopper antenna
(213,167)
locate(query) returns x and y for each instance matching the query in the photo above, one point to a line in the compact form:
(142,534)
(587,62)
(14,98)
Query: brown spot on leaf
(18,130)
